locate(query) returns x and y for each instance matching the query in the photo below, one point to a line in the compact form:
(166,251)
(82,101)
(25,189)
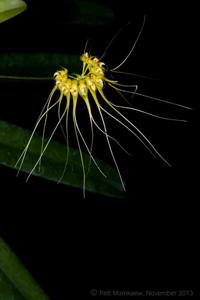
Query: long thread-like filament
(46,145)
(23,154)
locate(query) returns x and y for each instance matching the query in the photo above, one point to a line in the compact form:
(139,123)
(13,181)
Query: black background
(147,241)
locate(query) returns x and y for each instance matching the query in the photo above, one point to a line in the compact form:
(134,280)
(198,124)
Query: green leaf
(16,283)
(10,8)
(13,139)
(37,64)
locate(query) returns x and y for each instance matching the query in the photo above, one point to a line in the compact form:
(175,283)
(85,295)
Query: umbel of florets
(91,79)
(90,86)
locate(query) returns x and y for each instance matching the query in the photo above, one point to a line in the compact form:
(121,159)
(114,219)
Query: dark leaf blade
(36,64)
(16,283)
(13,139)
(8,290)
